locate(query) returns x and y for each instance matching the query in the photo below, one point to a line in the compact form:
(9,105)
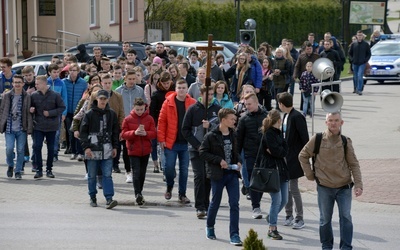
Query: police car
(385,60)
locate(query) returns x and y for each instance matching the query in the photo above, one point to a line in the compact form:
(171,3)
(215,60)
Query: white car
(39,67)
(182,48)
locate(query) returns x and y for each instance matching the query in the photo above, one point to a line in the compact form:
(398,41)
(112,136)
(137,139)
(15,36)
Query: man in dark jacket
(332,55)
(359,54)
(47,107)
(249,137)
(219,150)
(294,128)
(193,129)
(99,135)
(82,56)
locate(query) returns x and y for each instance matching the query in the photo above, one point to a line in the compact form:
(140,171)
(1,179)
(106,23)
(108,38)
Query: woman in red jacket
(138,129)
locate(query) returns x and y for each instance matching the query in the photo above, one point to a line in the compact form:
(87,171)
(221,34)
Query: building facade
(48,26)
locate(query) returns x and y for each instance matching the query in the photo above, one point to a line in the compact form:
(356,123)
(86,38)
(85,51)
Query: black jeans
(74,143)
(125,157)
(139,167)
(202,185)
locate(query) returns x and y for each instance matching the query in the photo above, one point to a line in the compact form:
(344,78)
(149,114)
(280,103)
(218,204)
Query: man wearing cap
(99,133)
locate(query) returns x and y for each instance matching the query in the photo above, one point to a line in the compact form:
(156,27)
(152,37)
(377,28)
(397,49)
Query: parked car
(182,48)
(43,57)
(39,67)
(384,61)
(232,46)
(112,49)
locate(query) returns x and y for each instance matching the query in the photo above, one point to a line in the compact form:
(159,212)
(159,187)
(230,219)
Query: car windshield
(386,49)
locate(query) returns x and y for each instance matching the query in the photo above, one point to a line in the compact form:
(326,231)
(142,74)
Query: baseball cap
(102,93)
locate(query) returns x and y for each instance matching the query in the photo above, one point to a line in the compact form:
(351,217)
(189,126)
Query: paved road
(55,213)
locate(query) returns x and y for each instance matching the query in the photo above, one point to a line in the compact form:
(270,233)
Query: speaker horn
(331,101)
(246,37)
(323,68)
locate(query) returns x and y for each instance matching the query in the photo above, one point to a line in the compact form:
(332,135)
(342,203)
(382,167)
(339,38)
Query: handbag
(264,180)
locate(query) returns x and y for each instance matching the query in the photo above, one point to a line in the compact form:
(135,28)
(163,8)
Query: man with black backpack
(336,170)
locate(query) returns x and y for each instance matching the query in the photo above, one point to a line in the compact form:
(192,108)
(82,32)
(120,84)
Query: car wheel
(381,81)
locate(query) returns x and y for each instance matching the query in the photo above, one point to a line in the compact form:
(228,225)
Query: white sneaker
(288,221)
(298,224)
(129,177)
(257,213)
(86,176)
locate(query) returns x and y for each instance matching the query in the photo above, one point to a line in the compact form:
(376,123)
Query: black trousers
(139,167)
(202,185)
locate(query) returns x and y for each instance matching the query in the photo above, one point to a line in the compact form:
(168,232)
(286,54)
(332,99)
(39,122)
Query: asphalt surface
(55,213)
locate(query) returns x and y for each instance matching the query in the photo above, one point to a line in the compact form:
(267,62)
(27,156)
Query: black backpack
(317,145)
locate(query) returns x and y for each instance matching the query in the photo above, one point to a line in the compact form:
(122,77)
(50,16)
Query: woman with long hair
(273,152)
(266,91)
(240,73)
(174,71)
(151,86)
(221,95)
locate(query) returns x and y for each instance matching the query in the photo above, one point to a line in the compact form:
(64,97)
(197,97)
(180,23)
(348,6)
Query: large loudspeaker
(246,37)
(323,68)
(331,101)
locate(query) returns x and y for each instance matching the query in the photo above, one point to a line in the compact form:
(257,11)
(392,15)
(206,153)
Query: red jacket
(138,145)
(168,119)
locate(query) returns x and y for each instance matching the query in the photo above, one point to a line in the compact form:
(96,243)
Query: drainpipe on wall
(3,28)
(120,20)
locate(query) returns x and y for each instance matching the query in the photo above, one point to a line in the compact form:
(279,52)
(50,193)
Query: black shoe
(116,170)
(201,214)
(111,204)
(156,170)
(245,190)
(18,176)
(183,199)
(274,235)
(67,151)
(10,172)
(38,175)
(139,199)
(50,174)
(63,145)
(93,202)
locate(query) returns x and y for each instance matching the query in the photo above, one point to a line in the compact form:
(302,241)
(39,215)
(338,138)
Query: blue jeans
(180,151)
(106,168)
(38,138)
(278,202)
(154,155)
(326,201)
(245,175)
(20,138)
(231,182)
(307,103)
(358,72)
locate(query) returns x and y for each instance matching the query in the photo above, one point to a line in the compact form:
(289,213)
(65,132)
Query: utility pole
(237,4)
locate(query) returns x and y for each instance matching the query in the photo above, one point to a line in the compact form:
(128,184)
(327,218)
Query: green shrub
(252,242)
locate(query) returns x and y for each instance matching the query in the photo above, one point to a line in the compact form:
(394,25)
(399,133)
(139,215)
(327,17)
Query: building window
(131,8)
(93,13)
(112,11)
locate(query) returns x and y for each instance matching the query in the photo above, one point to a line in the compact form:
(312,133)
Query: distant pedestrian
(16,123)
(46,107)
(359,54)
(99,134)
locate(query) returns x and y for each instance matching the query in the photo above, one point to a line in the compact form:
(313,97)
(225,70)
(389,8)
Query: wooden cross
(209,49)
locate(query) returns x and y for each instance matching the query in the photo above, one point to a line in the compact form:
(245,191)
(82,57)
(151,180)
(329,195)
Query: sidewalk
(55,213)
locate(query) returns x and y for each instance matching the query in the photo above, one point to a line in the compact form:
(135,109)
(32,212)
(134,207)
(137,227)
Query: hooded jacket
(99,131)
(168,121)
(138,145)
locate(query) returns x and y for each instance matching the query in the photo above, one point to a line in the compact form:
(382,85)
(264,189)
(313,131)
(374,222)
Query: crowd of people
(100,111)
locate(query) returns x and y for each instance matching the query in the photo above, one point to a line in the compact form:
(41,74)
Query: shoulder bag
(263,179)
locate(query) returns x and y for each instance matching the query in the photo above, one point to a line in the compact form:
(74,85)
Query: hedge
(275,20)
